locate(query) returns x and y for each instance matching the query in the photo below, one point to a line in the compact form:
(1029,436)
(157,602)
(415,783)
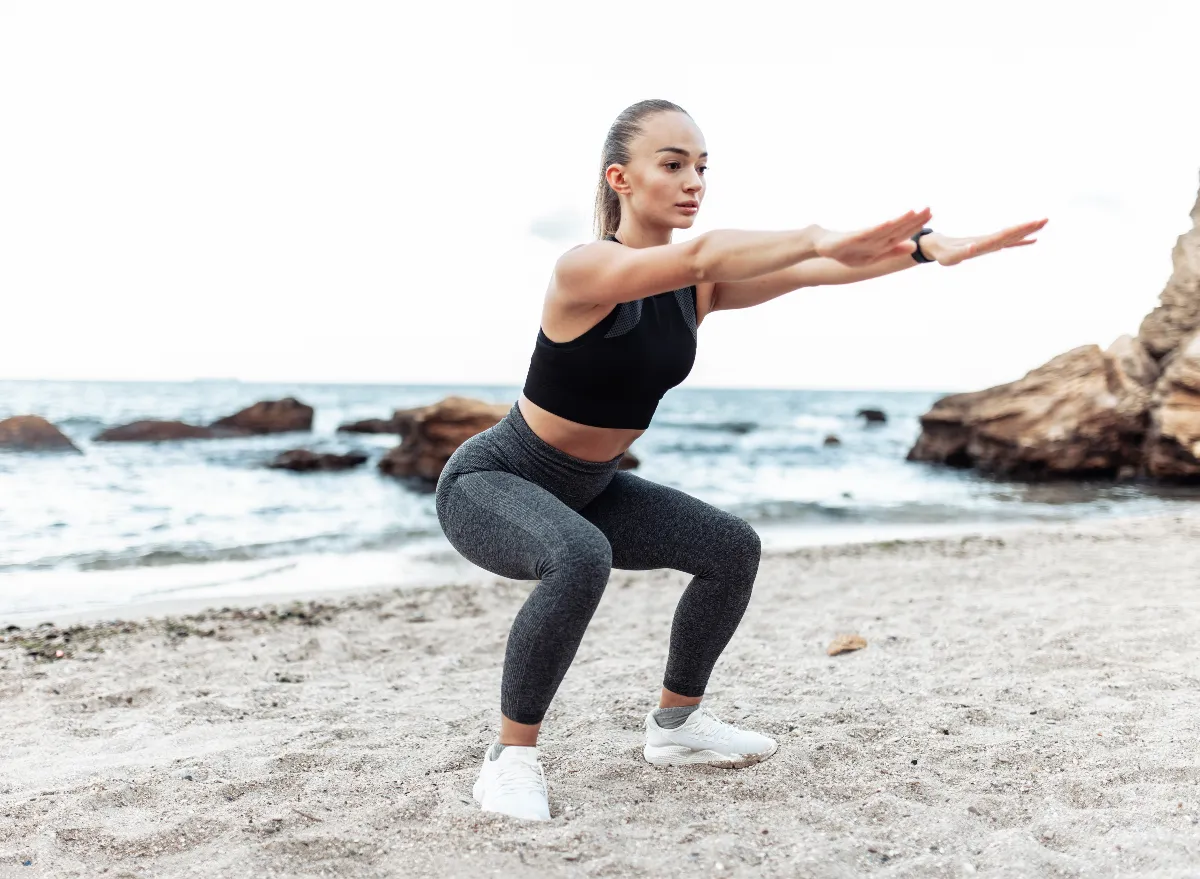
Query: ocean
(125,524)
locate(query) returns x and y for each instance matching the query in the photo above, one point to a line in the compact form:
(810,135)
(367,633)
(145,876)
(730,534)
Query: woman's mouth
(688,207)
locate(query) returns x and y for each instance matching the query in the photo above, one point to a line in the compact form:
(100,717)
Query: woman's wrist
(928,245)
(816,234)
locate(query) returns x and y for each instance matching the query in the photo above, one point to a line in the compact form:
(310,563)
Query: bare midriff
(581,441)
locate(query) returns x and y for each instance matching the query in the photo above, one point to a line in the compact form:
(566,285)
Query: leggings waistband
(543,449)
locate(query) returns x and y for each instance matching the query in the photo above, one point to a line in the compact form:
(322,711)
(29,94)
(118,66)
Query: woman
(539,496)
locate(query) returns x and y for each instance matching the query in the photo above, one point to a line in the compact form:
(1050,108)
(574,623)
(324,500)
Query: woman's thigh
(511,527)
(655,526)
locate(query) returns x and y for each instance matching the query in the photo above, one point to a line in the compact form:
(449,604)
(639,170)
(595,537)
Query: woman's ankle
(518,735)
(669,699)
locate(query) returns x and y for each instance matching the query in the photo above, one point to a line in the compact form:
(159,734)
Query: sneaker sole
(479,799)
(680,755)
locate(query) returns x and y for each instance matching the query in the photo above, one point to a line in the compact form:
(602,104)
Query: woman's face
(663,181)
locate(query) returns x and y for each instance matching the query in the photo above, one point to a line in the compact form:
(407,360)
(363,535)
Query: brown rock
(159,431)
(832,440)
(370,425)
(1178,313)
(1172,449)
(1082,413)
(629,461)
(270,416)
(32,433)
(303,461)
(1133,362)
(432,433)
(845,644)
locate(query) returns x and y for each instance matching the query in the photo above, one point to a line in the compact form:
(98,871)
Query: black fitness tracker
(917,254)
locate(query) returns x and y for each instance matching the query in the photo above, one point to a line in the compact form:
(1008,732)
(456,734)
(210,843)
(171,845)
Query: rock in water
(304,461)
(873,416)
(370,425)
(270,416)
(1080,414)
(432,433)
(845,644)
(158,431)
(32,433)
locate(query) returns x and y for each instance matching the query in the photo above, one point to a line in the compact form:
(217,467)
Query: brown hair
(616,152)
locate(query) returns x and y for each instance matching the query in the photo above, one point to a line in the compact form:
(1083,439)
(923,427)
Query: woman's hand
(880,242)
(951,251)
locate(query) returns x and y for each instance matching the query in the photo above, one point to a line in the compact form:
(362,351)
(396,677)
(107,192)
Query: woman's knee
(741,549)
(583,557)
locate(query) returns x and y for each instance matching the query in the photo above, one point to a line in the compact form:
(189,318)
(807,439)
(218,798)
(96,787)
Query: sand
(1027,705)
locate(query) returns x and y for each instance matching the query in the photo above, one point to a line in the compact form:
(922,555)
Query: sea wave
(815,512)
(80,421)
(200,552)
(738,427)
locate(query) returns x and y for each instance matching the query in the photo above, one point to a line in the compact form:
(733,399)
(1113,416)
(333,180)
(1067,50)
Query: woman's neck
(631,233)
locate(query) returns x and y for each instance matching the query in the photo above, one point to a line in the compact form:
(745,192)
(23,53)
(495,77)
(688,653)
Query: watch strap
(918,255)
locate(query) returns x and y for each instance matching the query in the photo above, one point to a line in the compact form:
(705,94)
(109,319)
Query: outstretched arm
(606,273)
(945,249)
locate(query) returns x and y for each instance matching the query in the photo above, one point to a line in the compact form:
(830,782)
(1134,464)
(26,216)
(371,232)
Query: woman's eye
(674,166)
(702,168)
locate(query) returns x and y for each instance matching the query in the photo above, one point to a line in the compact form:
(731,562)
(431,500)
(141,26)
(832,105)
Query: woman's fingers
(894,230)
(1023,229)
(1016,233)
(882,238)
(1005,237)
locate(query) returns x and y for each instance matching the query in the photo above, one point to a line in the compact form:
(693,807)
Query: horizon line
(462,384)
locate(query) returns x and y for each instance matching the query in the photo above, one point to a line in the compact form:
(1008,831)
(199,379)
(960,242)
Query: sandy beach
(1028,705)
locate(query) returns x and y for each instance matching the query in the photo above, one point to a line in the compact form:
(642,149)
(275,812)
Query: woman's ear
(615,175)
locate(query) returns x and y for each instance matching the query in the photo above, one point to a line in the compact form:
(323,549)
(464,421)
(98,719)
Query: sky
(377,192)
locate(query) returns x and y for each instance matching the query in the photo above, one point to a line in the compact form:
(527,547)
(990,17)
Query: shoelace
(711,726)
(518,777)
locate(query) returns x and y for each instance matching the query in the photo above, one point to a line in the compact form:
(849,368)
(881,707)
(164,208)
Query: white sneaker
(513,784)
(705,739)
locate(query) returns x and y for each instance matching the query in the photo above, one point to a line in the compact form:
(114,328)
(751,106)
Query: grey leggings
(519,507)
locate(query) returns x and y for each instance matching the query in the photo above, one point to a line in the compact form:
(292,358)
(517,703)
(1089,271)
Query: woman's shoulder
(583,259)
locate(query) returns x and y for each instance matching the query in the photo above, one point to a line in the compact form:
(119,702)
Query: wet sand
(1028,704)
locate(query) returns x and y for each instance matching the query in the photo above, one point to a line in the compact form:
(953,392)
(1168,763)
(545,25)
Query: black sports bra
(615,374)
